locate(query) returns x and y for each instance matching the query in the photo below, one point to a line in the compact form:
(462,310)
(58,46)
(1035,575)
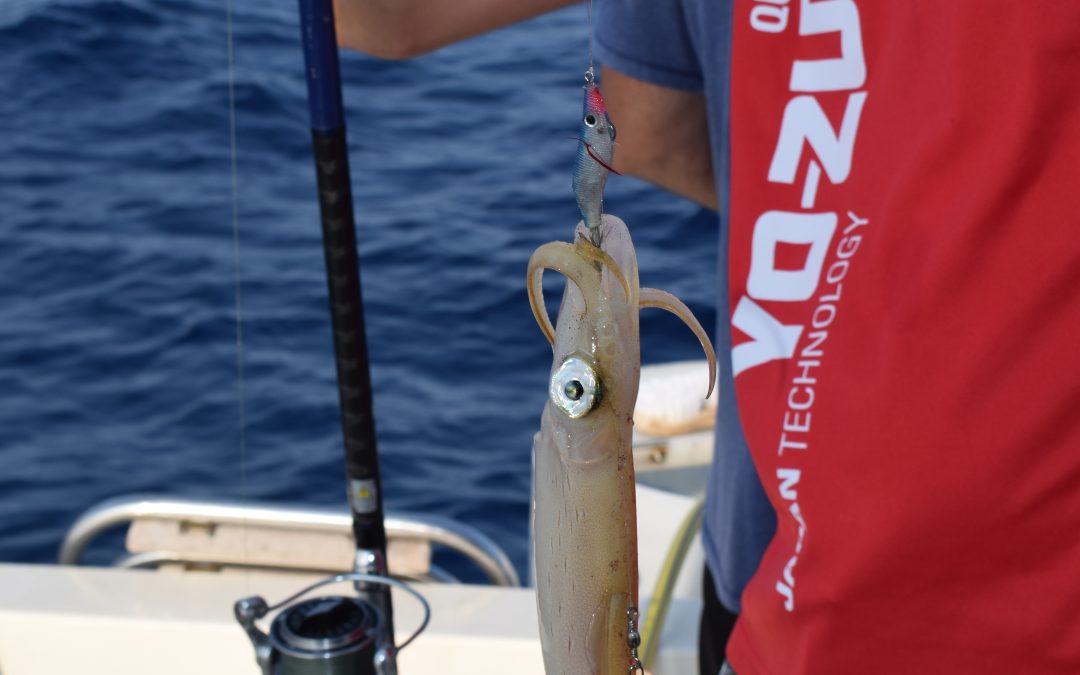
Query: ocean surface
(118,271)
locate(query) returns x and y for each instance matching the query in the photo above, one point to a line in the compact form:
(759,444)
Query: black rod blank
(343,281)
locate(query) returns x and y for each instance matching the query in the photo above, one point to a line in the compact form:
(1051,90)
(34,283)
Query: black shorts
(714,631)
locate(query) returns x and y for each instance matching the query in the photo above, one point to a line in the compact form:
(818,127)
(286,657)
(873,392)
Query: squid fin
(607,649)
(651,297)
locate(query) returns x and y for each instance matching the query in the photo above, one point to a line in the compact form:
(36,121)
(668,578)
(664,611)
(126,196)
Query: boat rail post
(323,77)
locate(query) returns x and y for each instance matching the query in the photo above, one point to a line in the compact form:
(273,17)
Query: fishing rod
(346,300)
(328,636)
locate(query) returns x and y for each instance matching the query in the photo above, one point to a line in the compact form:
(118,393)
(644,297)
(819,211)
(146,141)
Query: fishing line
(589,14)
(237,287)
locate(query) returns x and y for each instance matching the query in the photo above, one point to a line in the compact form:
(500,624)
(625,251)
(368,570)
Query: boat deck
(56,619)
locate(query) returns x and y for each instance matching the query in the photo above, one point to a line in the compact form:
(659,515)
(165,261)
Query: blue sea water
(118,303)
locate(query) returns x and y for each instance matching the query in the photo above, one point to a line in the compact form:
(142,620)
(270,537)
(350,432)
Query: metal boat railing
(459,537)
(156,559)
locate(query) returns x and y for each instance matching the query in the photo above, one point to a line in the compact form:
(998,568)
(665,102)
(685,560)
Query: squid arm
(651,297)
(576,263)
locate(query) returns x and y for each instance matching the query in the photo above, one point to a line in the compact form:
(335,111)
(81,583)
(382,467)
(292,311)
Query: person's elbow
(687,170)
(663,136)
(379,29)
(402,29)
(396,45)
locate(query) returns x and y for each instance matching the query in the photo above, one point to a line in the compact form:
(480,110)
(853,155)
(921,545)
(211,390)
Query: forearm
(399,29)
(687,175)
(663,136)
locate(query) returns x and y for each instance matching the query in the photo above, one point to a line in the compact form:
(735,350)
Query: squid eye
(590,120)
(574,388)
(612,128)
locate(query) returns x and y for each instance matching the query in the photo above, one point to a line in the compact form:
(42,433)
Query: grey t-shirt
(686,45)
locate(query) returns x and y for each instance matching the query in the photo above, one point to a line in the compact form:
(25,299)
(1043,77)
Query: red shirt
(905,293)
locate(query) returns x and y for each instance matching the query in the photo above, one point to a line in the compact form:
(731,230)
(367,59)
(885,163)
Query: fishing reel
(326,635)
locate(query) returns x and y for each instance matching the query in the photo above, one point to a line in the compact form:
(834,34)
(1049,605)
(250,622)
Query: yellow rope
(653,625)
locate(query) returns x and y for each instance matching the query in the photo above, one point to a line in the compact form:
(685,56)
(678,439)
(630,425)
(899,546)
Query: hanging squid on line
(584,504)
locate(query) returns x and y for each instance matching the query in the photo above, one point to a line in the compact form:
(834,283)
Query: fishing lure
(596,145)
(584,506)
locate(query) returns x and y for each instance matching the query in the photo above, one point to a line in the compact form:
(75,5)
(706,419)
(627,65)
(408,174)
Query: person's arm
(663,136)
(663,132)
(400,29)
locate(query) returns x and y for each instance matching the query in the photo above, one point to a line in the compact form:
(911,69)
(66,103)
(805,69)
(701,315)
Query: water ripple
(117,327)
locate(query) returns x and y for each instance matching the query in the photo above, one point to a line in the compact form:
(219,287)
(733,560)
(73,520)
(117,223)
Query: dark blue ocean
(118,302)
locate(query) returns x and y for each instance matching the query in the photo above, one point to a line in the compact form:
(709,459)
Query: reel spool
(326,635)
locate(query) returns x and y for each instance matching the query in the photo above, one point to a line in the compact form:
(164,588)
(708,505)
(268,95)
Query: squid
(584,515)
